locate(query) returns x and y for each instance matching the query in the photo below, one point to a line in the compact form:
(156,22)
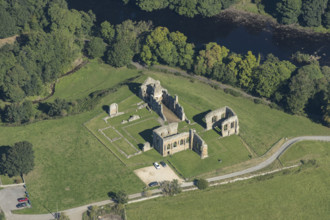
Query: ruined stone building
(224,118)
(160,100)
(167,141)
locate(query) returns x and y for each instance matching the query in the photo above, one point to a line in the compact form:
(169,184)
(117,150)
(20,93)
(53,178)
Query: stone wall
(155,95)
(167,141)
(173,104)
(198,145)
(225,118)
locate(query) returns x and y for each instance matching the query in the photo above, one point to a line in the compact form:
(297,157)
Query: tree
(7,24)
(150,5)
(245,69)
(209,8)
(288,11)
(326,17)
(171,188)
(63,216)
(20,159)
(208,58)
(19,113)
(301,89)
(202,183)
(107,31)
(120,54)
(121,197)
(95,47)
(312,11)
(184,7)
(269,76)
(326,114)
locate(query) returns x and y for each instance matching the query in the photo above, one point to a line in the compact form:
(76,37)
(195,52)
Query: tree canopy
(19,159)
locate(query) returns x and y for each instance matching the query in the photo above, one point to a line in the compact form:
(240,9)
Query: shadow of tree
(3,153)
(134,87)
(199,118)
(147,134)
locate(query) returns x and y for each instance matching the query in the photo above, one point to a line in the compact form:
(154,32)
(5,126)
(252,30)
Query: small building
(167,141)
(224,118)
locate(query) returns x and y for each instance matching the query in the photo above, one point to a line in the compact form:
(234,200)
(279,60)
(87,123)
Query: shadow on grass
(134,87)
(106,108)
(112,195)
(3,151)
(147,134)
(199,118)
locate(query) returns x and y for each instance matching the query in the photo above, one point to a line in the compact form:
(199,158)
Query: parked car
(24,199)
(21,205)
(163,163)
(152,184)
(156,165)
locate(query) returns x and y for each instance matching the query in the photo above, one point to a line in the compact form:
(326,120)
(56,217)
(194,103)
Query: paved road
(76,213)
(267,162)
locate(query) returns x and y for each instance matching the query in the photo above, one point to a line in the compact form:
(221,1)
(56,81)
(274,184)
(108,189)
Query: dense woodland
(310,13)
(51,37)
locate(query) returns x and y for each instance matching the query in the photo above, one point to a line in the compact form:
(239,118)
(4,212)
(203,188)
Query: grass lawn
(75,164)
(6,180)
(296,194)
(72,167)
(260,126)
(94,76)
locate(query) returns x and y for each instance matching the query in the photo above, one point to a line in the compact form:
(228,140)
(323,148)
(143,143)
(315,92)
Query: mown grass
(92,77)
(72,167)
(295,194)
(260,126)
(5,180)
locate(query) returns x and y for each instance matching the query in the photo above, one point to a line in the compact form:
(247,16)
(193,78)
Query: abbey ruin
(167,141)
(224,118)
(159,99)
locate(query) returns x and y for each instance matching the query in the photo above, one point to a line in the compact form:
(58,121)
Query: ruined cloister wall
(199,145)
(167,141)
(230,126)
(173,104)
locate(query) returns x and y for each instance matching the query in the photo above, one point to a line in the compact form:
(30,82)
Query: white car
(156,165)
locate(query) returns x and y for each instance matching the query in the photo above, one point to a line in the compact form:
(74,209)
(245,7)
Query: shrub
(131,66)
(171,188)
(258,101)
(202,183)
(232,92)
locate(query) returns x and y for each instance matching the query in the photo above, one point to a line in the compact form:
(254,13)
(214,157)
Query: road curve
(268,161)
(75,213)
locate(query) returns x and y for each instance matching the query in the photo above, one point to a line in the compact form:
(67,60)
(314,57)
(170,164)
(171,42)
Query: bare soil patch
(151,174)
(8,40)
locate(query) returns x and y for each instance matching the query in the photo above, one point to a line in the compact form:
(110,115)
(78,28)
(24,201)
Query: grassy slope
(297,195)
(260,126)
(92,77)
(72,167)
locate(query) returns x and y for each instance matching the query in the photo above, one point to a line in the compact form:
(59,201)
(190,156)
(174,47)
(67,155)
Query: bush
(131,66)
(232,92)
(121,197)
(202,183)
(171,188)
(258,101)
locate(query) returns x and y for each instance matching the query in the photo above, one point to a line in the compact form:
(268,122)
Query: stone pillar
(113,109)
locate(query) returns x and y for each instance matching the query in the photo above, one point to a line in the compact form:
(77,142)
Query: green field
(297,194)
(72,167)
(75,164)
(94,76)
